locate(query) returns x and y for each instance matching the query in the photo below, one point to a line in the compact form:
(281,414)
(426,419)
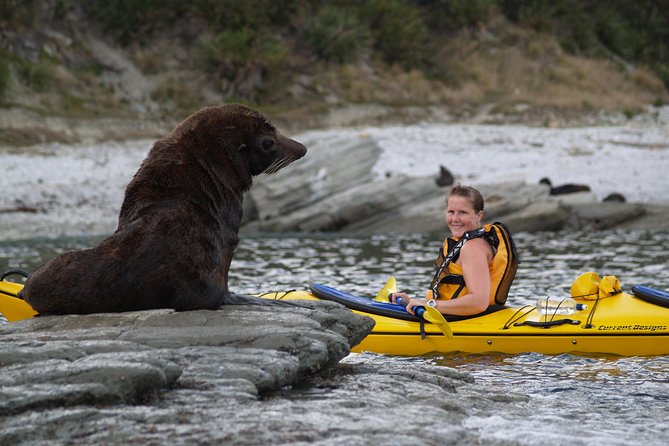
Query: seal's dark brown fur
(178,225)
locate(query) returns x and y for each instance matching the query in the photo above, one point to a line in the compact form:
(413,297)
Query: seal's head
(239,135)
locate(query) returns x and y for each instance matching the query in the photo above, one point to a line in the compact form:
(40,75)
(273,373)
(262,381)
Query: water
(591,400)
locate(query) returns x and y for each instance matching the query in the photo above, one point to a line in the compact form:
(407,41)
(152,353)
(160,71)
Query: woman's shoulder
(477,245)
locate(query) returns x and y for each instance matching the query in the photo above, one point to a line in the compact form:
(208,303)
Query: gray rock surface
(83,363)
(241,375)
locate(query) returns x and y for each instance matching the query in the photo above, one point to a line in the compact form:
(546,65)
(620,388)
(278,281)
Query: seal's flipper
(241,299)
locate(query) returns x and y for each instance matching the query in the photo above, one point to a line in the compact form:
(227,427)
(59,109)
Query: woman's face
(460,216)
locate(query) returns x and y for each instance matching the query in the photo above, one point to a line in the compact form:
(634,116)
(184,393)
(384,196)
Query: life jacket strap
(452,255)
(453,279)
(499,238)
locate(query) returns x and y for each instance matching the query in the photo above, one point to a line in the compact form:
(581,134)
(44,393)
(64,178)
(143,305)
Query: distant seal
(178,225)
(564,188)
(445,177)
(615,197)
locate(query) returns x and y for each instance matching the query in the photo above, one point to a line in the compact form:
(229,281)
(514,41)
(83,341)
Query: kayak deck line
(538,334)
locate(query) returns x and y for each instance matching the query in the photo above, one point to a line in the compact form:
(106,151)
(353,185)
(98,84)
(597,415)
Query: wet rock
(339,166)
(241,375)
(538,216)
(130,358)
(590,216)
(111,378)
(363,400)
(575,198)
(654,217)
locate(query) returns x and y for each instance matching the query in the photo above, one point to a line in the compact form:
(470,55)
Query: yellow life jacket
(448,281)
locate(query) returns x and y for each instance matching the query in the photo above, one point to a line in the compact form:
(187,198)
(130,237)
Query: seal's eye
(267,144)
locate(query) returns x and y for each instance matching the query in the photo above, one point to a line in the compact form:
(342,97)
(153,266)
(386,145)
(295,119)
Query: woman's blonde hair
(468,192)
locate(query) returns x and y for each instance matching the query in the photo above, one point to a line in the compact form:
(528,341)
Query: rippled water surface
(573,399)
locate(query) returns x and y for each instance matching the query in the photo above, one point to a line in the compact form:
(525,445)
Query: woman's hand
(401,295)
(408,302)
(414,303)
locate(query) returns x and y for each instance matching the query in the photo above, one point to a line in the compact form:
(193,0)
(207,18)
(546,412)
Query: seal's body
(178,225)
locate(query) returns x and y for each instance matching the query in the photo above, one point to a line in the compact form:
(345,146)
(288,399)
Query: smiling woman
(470,276)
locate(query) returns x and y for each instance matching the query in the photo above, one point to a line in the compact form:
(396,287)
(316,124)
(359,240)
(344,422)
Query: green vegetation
(5,75)
(629,31)
(130,21)
(36,76)
(18,13)
(335,34)
(251,50)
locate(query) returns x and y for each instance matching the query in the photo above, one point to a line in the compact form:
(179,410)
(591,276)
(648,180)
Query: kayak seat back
(651,295)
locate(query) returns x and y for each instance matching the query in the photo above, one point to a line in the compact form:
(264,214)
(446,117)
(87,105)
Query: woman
(474,273)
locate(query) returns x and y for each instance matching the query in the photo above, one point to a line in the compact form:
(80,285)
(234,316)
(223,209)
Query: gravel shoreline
(56,190)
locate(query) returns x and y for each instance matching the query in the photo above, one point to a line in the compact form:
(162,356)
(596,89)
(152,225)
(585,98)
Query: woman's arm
(475,256)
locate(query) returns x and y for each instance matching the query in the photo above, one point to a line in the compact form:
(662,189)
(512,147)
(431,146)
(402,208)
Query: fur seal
(178,225)
(615,197)
(564,188)
(445,177)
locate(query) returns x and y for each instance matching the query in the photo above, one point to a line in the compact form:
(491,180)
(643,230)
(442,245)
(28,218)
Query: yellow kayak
(624,324)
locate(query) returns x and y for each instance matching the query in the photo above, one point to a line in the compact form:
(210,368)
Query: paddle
(433,316)
(389,288)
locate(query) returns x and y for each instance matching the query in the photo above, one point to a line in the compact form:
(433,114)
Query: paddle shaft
(419,310)
(433,316)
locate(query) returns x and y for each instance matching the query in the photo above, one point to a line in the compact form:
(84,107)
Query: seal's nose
(295,149)
(301,150)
